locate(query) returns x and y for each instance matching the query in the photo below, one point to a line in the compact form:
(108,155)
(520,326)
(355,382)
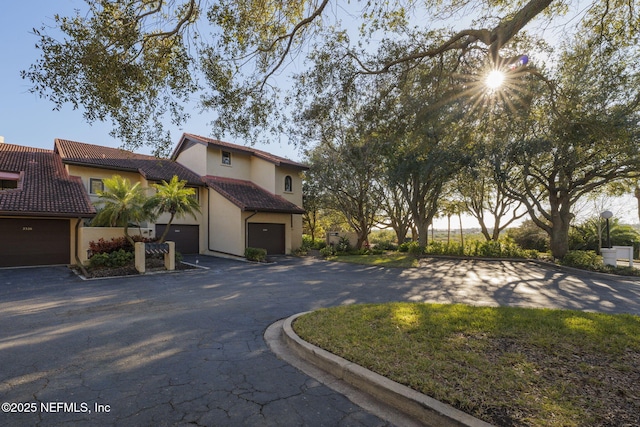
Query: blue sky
(25,119)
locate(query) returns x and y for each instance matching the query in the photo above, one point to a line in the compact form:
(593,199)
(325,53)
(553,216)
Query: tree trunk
(559,241)
(461,234)
(401,234)
(126,235)
(496,232)
(637,194)
(561,222)
(423,230)
(166,230)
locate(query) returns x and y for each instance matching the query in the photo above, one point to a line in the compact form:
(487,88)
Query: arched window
(288,184)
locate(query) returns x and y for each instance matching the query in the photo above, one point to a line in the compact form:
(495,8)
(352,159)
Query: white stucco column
(140,257)
(609,256)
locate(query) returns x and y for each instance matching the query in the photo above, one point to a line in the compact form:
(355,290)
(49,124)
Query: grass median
(507,366)
(402,260)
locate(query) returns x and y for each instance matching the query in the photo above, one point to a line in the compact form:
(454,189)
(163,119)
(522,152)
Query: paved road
(187,349)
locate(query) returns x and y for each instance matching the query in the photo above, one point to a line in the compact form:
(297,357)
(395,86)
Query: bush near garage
(255,254)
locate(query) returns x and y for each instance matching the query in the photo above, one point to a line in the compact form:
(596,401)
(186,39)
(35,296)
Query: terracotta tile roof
(277,160)
(249,197)
(44,188)
(150,167)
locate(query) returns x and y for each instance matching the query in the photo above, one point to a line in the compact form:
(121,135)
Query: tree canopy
(140,63)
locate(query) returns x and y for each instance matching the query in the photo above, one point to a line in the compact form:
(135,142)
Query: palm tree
(451,208)
(172,197)
(122,204)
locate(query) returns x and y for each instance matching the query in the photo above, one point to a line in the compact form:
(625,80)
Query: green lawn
(507,366)
(392,259)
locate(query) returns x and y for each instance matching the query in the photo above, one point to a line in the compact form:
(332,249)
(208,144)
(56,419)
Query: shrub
(343,245)
(386,245)
(309,243)
(301,251)
(529,236)
(490,249)
(107,246)
(255,254)
(588,260)
(114,244)
(414,248)
(403,247)
(119,258)
(441,248)
(327,251)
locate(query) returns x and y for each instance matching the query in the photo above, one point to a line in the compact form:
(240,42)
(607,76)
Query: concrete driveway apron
(187,348)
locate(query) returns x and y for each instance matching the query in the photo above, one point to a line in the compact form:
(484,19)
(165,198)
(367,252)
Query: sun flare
(494,79)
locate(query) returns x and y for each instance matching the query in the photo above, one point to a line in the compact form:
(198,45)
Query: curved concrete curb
(425,409)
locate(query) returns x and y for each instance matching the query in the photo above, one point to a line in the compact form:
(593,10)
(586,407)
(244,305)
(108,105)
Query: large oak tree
(139,63)
(580,134)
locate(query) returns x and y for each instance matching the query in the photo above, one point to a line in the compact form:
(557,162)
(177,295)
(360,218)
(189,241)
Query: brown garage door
(34,242)
(267,236)
(187,237)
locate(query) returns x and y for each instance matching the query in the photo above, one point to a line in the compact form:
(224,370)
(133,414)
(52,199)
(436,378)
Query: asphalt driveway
(188,349)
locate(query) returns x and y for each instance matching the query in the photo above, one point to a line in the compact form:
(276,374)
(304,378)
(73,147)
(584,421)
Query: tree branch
(290,36)
(495,39)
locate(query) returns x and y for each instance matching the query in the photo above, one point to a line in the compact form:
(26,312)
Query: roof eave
(93,165)
(70,215)
(267,210)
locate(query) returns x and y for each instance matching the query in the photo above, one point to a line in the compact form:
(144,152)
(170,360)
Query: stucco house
(92,163)
(248,198)
(41,207)
(254,197)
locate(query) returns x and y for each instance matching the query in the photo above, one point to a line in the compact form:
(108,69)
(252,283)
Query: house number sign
(27,228)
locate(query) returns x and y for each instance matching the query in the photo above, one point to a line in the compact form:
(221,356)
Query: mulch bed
(152,265)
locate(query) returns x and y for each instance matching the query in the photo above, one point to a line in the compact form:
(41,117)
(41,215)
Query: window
(226,158)
(8,184)
(288,184)
(195,193)
(95,185)
(9,180)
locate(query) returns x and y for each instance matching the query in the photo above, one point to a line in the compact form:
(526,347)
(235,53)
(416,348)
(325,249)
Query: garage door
(187,237)
(34,242)
(267,236)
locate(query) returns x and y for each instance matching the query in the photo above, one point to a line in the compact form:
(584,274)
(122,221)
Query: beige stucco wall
(194,156)
(73,227)
(86,173)
(226,224)
(333,237)
(240,167)
(263,174)
(294,196)
(296,232)
(93,234)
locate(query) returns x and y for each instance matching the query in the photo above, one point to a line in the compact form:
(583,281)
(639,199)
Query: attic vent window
(226,158)
(9,180)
